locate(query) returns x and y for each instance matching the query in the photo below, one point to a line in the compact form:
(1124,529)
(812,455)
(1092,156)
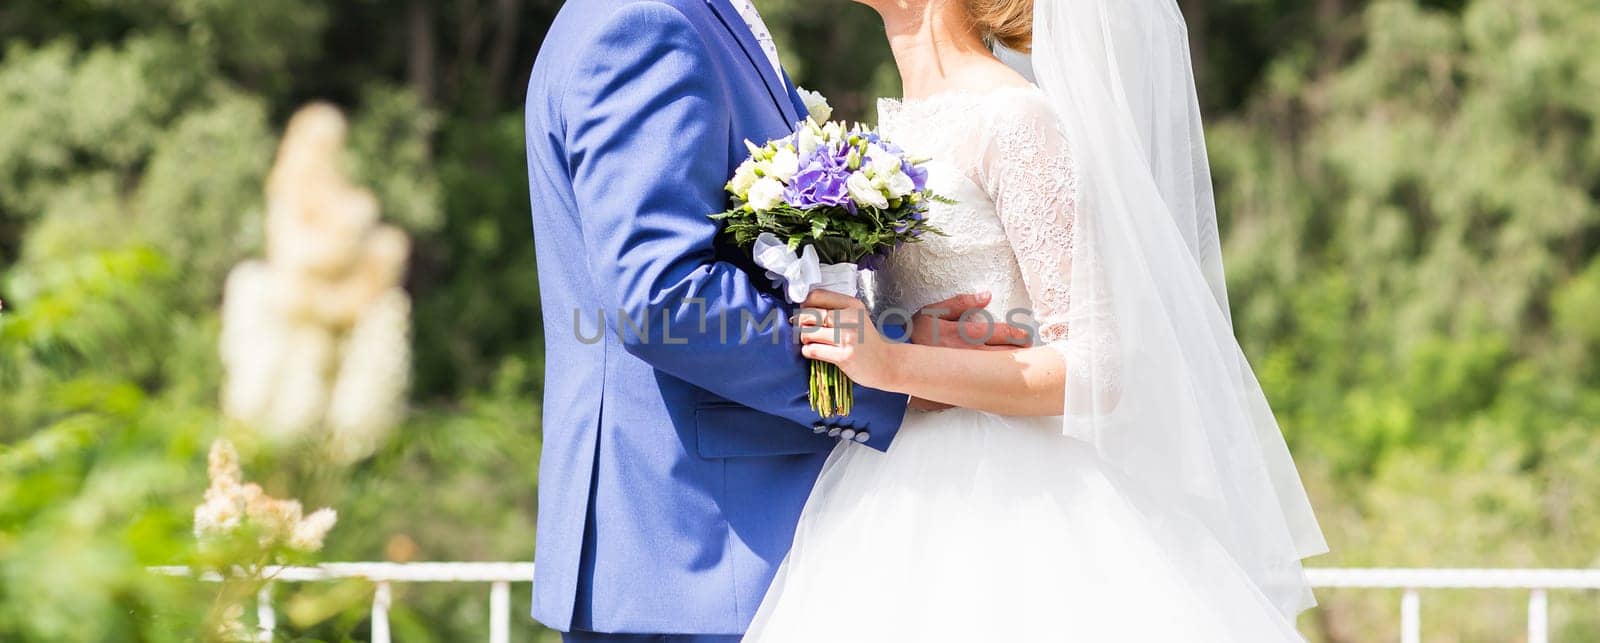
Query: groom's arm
(648,133)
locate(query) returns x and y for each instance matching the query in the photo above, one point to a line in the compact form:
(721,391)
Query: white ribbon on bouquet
(799,274)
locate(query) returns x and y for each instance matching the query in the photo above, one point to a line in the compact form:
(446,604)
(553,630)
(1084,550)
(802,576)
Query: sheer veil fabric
(1157,382)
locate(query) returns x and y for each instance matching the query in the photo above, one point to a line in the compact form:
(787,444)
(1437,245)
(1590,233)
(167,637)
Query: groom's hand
(919,404)
(940,324)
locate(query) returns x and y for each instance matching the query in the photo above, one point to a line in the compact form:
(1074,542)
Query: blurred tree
(131,169)
(1410,235)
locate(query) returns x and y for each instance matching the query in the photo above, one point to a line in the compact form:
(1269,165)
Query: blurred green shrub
(1412,240)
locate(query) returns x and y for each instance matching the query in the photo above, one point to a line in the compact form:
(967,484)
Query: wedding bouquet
(815,205)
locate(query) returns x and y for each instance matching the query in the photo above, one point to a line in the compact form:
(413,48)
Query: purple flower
(821,180)
(917,173)
(888,146)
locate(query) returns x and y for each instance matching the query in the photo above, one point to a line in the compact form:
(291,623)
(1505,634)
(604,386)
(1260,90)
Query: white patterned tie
(752,18)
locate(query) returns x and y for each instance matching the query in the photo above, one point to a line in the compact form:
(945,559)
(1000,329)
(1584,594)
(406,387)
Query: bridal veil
(1157,382)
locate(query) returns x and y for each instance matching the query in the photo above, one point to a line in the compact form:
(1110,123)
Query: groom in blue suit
(678,443)
(679,446)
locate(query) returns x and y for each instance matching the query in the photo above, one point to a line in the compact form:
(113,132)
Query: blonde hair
(1008,22)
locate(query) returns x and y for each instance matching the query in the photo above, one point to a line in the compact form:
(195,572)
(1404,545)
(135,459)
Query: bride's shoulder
(1026,101)
(1006,90)
(1024,128)
(1022,110)
(997,94)
(980,117)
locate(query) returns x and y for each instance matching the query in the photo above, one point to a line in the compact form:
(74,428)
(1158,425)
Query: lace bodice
(1001,156)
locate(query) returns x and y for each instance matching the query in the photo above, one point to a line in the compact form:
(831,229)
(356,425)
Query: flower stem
(831,392)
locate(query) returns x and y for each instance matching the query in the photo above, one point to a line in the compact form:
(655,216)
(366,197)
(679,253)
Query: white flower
(224,505)
(287,321)
(862,190)
(884,164)
(784,165)
(765,195)
(274,517)
(817,105)
(222,464)
(808,140)
(309,532)
(900,185)
(219,514)
(368,395)
(743,178)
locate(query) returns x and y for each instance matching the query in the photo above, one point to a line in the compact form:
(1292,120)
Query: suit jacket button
(834,432)
(863,436)
(847,434)
(819,428)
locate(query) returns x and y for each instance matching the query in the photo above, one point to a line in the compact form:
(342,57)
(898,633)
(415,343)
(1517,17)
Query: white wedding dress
(979,527)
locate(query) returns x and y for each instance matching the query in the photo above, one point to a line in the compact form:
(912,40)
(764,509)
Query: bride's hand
(837,329)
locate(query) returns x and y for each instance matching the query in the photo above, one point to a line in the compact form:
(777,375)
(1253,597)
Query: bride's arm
(1024,382)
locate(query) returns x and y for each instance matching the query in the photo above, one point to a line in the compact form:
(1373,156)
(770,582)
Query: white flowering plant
(243,532)
(817,205)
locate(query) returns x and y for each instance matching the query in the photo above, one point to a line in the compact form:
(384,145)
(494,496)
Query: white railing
(1537,581)
(500,576)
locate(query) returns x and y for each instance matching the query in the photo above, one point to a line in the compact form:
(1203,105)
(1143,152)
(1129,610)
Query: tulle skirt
(980,527)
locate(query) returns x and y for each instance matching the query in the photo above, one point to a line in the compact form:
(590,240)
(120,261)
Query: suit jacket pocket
(739,431)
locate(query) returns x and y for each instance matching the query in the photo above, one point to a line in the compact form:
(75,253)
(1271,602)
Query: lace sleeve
(1029,172)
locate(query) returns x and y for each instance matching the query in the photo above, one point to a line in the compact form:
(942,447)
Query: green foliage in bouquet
(846,191)
(838,236)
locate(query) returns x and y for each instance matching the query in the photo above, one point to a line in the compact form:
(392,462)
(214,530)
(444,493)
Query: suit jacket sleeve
(648,128)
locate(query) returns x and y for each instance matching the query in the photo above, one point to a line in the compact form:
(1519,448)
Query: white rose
(808,140)
(743,178)
(816,105)
(862,190)
(900,185)
(785,164)
(883,163)
(765,195)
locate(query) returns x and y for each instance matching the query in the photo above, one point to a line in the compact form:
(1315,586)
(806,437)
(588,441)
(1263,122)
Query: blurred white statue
(317,335)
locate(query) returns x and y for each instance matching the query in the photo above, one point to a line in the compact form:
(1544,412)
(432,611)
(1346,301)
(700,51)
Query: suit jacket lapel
(776,87)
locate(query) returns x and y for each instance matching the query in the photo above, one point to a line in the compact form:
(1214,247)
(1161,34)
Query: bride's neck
(932,41)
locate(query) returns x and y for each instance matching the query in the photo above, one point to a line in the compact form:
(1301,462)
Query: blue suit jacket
(676,456)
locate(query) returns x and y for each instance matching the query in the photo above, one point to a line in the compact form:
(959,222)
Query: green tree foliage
(1411,237)
(1410,192)
(137,139)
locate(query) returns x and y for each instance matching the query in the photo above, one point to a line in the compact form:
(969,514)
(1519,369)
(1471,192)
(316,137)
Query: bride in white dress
(1122,479)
